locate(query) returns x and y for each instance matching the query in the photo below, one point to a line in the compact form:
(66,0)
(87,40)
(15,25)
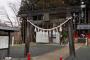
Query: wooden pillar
(71,41)
(8,52)
(26,35)
(22,29)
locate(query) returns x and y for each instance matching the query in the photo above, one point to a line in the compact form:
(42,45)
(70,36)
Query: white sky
(8,11)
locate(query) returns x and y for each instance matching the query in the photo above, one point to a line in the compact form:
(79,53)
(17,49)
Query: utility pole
(71,41)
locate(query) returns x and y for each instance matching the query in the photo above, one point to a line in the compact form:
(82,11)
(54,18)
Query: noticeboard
(4,42)
(83,26)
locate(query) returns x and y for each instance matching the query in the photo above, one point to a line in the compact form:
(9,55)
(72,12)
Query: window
(34,17)
(38,17)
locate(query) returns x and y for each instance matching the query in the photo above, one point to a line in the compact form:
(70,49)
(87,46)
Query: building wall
(17,37)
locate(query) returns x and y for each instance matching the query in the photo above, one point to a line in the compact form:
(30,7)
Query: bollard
(60,57)
(28,56)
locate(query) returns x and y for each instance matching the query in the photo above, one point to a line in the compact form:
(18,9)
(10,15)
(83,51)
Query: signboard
(83,26)
(42,37)
(4,40)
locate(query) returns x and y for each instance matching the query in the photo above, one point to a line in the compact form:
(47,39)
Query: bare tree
(12,6)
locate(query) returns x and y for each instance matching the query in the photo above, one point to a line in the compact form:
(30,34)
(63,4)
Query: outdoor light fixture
(83,11)
(83,4)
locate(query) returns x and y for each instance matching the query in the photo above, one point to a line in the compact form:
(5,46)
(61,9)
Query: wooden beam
(9,28)
(50,10)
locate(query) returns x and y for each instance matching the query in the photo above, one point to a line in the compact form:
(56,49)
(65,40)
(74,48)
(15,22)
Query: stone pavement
(54,55)
(64,52)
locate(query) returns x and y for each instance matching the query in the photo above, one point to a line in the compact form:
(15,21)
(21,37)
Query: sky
(8,12)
